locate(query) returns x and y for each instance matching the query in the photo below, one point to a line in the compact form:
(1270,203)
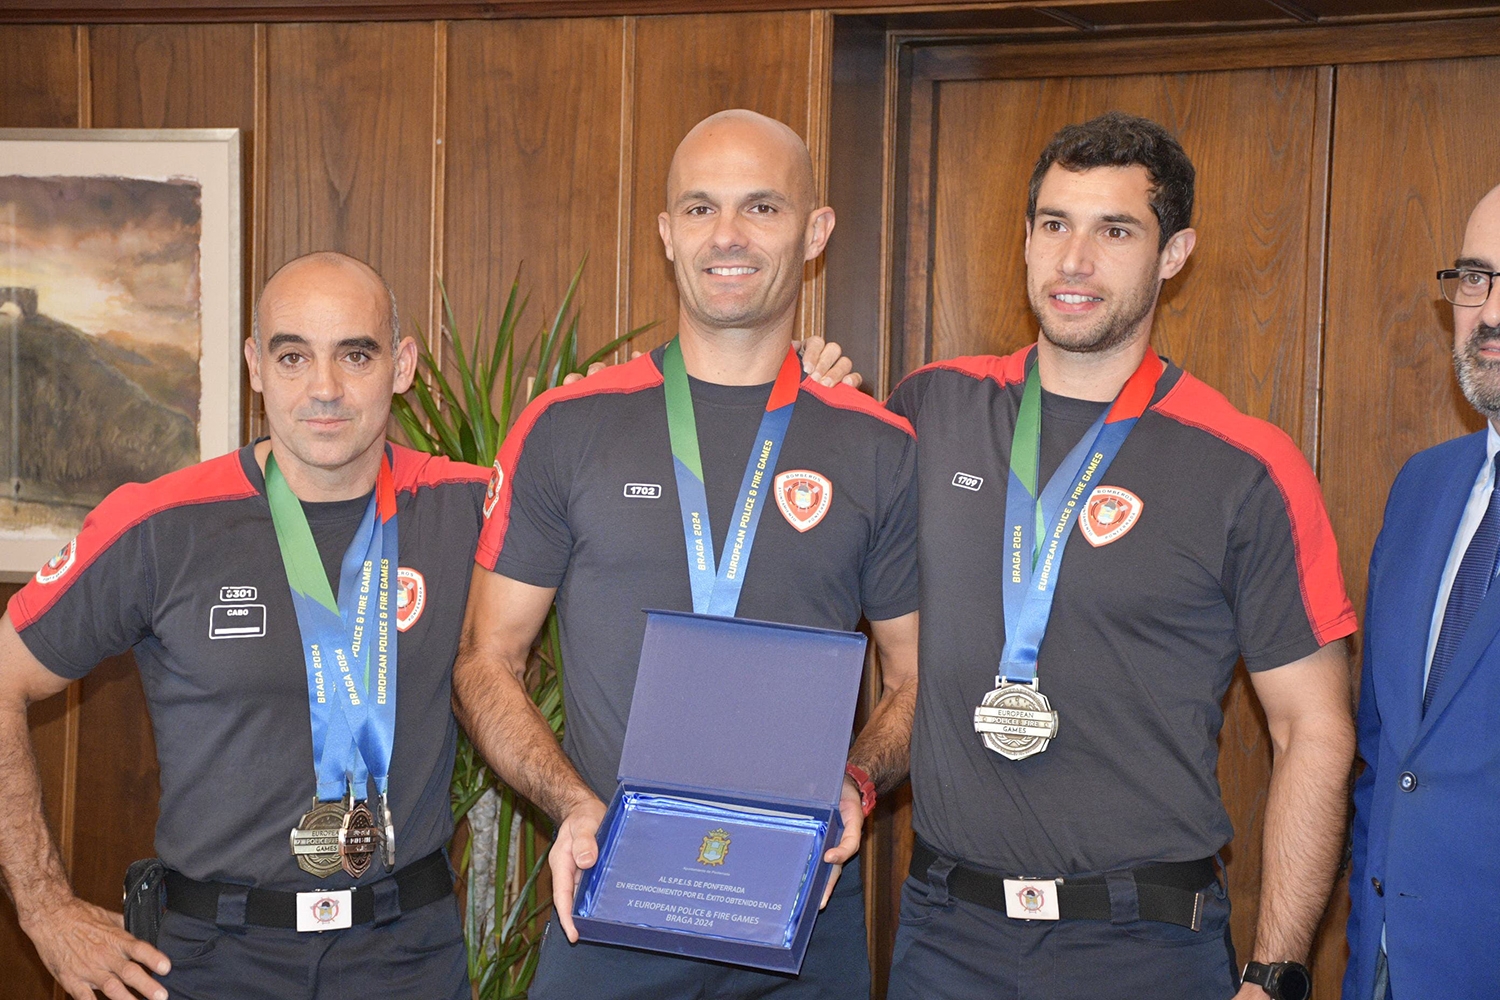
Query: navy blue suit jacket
(1426,862)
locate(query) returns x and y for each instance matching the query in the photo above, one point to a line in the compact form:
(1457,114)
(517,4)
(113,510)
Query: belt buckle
(325,911)
(1032,898)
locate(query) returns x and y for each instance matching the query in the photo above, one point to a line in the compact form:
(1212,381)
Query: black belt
(419,883)
(1170,893)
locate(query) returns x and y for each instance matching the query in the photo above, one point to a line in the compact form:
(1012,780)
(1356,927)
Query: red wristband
(864,784)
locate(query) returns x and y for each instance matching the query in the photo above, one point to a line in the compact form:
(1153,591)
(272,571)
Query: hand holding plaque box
(729,786)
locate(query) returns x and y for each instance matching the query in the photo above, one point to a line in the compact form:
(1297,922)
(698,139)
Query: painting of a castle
(100,332)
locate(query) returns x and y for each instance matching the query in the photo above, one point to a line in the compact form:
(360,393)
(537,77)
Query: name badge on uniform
(1031,899)
(325,911)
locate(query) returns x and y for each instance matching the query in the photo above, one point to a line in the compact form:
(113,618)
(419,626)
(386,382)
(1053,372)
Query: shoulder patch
(1193,403)
(843,397)
(218,479)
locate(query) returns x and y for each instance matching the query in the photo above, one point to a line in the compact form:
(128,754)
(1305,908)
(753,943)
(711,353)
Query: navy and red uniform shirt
(186,571)
(584,499)
(1205,542)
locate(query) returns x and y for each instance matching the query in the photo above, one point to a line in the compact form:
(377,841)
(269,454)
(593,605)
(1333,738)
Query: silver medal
(1015,720)
(388,838)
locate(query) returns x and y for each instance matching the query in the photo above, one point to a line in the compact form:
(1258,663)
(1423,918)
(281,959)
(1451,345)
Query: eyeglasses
(1466,286)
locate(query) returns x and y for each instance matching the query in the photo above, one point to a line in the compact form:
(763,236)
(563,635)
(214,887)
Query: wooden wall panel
(39,88)
(173,76)
(348,153)
(534,168)
(688,67)
(1389,389)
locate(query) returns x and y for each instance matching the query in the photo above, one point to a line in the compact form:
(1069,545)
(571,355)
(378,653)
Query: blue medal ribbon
(1037,523)
(716,585)
(349,645)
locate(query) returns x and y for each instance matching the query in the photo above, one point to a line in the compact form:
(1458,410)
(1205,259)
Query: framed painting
(120,319)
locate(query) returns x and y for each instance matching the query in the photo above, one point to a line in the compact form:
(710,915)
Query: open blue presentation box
(712,846)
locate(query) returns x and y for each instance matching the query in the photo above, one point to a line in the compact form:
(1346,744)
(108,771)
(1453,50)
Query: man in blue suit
(1425,880)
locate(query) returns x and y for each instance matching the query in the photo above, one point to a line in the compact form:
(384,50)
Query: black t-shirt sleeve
(527,536)
(1263,584)
(98,607)
(888,582)
(906,399)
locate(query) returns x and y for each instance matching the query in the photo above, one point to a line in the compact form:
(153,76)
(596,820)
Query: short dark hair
(1115,139)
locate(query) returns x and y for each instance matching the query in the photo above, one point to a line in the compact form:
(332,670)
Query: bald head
(327,273)
(747,138)
(1484,222)
(740,223)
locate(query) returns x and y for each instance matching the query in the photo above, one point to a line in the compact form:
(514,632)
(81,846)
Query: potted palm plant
(500,843)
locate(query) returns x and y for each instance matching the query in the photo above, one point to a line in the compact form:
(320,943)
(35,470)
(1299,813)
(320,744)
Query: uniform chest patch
(237,616)
(492,492)
(1109,514)
(804,497)
(57,567)
(411,596)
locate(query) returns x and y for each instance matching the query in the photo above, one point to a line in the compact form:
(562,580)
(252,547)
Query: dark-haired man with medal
(709,477)
(1102,538)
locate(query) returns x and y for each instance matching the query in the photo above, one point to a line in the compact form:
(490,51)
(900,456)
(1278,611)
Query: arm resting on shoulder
(83,946)
(492,704)
(883,747)
(1309,713)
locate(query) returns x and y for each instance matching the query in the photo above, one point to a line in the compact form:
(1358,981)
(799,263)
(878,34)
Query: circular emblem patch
(492,492)
(803,497)
(325,910)
(411,597)
(1109,514)
(56,568)
(1031,899)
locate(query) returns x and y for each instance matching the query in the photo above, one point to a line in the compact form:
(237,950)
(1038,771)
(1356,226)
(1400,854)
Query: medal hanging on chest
(716,587)
(1015,720)
(349,649)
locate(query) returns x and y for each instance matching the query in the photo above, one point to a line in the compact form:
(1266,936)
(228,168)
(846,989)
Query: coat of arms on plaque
(715,848)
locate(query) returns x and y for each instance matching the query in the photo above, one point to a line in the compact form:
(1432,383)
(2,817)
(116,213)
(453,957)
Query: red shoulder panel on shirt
(414,469)
(845,398)
(218,479)
(633,376)
(1196,404)
(1007,370)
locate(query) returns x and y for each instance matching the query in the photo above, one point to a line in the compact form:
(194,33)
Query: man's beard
(1478,376)
(1109,331)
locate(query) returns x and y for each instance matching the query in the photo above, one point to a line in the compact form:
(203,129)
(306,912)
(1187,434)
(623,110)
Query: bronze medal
(358,840)
(316,838)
